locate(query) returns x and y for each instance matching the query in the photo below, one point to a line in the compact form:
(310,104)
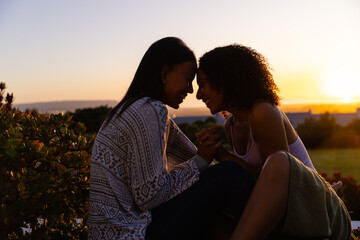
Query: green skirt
(314,209)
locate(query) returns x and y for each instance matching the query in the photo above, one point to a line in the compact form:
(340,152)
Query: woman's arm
(268,129)
(151,183)
(179,147)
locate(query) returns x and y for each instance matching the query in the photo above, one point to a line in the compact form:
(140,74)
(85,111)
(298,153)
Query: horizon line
(186,105)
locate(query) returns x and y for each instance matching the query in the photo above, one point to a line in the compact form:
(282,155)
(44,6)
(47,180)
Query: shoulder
(148,107)
(264,111)
(266,117)
(143,113)
(145,118)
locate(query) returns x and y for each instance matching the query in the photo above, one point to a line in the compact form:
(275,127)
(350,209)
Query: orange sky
(81,50)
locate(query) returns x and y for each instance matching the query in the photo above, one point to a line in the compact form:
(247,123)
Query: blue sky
(89,50)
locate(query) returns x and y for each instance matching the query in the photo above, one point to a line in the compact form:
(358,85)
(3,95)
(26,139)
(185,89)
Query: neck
(239,115)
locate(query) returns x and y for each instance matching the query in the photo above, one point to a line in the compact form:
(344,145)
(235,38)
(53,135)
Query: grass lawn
(346,161)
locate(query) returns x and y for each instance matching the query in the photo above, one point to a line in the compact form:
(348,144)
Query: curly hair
(242,74)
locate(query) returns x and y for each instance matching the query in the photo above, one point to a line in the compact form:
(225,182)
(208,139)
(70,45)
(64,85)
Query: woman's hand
(222,154)
(210,147)
(209,142)
(336,185)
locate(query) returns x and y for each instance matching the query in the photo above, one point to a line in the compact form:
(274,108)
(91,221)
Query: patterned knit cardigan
(139,160)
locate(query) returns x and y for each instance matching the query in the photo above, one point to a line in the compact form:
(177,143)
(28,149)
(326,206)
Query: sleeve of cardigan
(151,183)
(179,147)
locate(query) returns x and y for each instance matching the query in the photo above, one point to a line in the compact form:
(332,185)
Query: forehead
(187,67)
(201,76)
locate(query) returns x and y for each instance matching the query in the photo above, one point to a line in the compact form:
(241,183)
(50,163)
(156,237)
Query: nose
(190,89)
(198,94)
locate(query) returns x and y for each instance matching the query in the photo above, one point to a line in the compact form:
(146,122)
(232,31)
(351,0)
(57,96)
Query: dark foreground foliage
(44,175)
(349,193)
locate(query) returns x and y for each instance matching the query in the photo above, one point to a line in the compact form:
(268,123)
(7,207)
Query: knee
(277,165)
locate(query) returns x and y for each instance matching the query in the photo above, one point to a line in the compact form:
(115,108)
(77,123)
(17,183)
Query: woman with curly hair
(289,197)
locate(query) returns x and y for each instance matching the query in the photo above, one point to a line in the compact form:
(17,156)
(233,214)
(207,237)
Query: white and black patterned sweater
(139,160)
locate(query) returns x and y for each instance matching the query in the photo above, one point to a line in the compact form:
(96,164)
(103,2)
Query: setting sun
(343,83)
(347,99)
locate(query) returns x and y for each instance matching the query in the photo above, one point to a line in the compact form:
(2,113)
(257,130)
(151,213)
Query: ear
(164,71)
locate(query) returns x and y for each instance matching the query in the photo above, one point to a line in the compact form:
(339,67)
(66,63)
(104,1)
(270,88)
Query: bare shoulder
(264,111)
(267,119)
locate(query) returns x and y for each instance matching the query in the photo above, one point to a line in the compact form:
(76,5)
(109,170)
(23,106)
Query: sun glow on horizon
(342,83)
(347,99)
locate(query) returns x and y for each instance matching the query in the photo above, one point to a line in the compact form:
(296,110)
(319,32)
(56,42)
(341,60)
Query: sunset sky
(89,50)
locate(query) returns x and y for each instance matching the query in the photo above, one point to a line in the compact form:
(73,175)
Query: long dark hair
(168,51)
(242,74)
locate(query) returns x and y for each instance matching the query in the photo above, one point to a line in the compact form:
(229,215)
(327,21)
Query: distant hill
(71,106)
(64,106)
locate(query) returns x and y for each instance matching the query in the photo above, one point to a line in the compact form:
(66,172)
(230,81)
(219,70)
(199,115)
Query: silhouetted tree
(91,117)
(33,111)
(342,138)
(355,126)
(313,132)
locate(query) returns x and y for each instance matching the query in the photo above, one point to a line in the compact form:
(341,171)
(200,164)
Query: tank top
(253,157)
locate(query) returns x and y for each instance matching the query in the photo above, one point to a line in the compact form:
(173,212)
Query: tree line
(323,132)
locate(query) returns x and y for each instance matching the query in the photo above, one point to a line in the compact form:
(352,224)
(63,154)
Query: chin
(175,106)
(214,111)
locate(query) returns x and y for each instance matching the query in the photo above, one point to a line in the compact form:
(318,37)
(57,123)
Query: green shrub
(313,132)
(343,138)
(44,175)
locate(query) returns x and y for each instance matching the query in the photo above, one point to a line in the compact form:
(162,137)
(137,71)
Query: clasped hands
(209,143)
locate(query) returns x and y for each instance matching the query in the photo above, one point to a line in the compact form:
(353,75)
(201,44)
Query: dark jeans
(222,188)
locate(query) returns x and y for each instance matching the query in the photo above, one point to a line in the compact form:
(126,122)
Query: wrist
(201,162)
(205,156)
(220,154)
